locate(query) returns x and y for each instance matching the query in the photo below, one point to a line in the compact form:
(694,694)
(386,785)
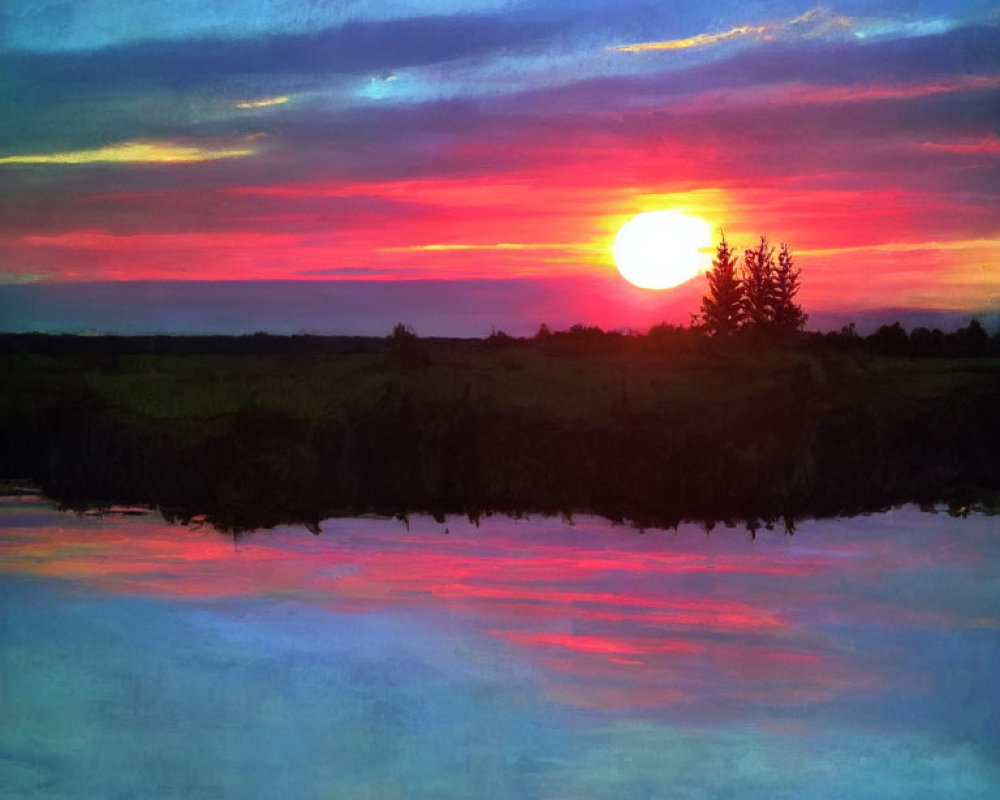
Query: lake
(517,659)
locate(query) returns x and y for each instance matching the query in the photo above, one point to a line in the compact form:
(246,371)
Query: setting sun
(662,249)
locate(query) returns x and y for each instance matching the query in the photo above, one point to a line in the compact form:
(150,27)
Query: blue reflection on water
(381,664)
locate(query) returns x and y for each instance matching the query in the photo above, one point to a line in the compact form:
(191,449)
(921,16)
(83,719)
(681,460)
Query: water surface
(520,659)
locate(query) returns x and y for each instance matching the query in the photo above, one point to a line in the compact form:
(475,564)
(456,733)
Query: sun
(662,249)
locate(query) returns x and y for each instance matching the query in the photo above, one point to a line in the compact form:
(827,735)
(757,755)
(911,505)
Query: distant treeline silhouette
(969,341)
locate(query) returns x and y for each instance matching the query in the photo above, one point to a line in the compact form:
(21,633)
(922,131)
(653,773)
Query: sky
(295,165)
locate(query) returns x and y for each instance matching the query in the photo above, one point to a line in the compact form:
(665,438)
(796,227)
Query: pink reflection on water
(612,619)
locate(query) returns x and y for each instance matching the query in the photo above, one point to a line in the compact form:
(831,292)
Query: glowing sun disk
(662,249)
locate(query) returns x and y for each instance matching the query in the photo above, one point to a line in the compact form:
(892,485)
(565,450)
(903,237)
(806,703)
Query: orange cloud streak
(700,40)
(135,152)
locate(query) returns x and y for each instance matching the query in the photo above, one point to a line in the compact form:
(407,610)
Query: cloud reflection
(613,619)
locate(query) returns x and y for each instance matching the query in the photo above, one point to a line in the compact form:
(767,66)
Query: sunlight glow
(662,249)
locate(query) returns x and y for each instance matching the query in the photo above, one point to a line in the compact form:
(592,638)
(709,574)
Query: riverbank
(257,431)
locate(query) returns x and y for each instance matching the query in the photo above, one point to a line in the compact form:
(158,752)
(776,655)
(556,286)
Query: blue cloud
(75,25)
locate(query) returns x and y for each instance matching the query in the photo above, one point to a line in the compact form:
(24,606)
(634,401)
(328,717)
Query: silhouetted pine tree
(759,284)
(787,313)
(722,307)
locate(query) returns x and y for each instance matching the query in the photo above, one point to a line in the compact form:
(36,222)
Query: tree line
(760,294)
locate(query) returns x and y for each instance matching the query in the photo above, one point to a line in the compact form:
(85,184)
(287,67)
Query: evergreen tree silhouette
(759,285)
(787,313)
(722,307)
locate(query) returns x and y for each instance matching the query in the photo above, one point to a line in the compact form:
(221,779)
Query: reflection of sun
(662,249)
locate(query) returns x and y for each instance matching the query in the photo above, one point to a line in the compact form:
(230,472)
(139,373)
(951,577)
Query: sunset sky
(293,165)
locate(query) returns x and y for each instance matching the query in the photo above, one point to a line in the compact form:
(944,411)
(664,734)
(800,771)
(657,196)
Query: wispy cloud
(989,145)
(961,83)
(108,241)
(817,23)
(701,40)
(908,247)
(261,102)
(7,279)
(136,152)
(438,248)
(804,94)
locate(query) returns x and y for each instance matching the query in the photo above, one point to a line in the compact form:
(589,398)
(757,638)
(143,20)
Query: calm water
(523,659)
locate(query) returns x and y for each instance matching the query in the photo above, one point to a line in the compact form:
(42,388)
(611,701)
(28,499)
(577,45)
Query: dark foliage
(654,429)
(787,314)
(971,341)
(258,344)
(759,285)
(761,297)
(404,347)
(722,309)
